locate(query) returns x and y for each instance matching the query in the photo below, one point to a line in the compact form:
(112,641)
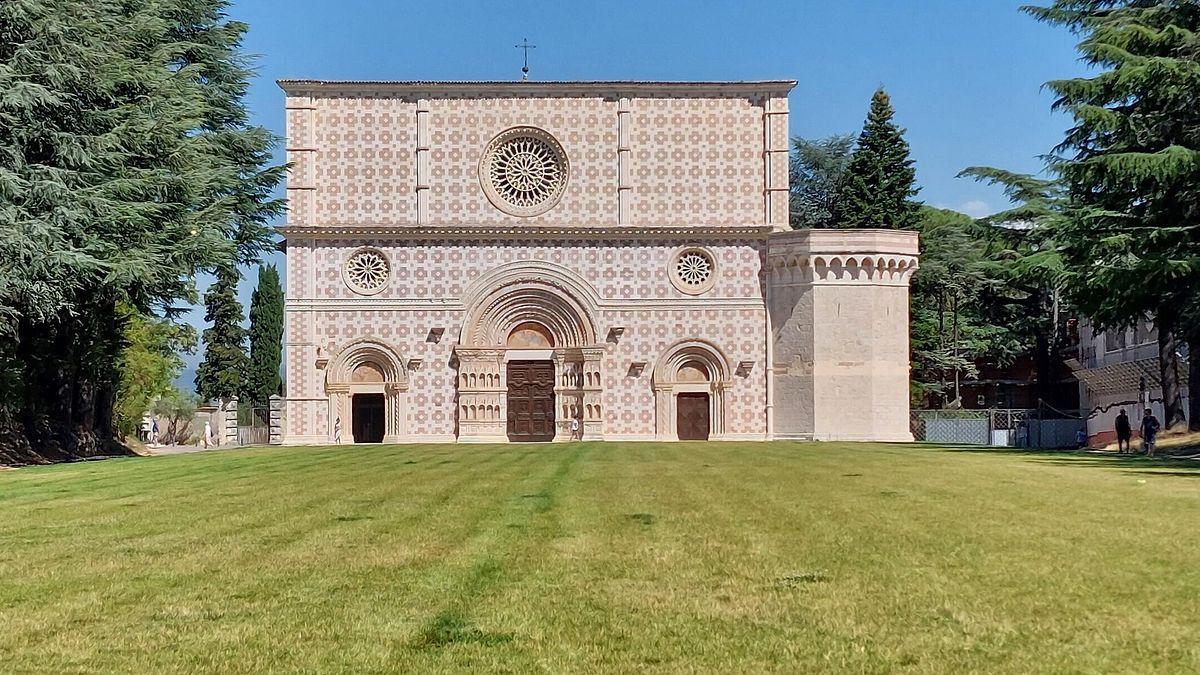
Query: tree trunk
(1168,367)
(1193,379)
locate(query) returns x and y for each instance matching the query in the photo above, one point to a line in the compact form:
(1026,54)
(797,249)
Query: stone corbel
(615,333)
(637,368)
(744,368)
(435,335)
(415,364)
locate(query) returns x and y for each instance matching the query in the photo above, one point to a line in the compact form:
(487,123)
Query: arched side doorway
(367,385)
(528,363)
(690,380)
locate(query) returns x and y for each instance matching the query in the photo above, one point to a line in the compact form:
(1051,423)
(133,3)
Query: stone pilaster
(275,418)
(482,405)
(228,433)
(423,170)
(624,162)
(593,393)
(776,197)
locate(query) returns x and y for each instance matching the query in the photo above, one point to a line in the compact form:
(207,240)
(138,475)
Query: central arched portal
(529,366)
(530,396)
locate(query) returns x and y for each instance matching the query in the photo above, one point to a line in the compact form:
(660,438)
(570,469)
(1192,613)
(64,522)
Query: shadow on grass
(1187,467)
(451,627)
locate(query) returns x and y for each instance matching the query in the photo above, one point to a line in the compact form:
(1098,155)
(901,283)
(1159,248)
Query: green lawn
(602,558)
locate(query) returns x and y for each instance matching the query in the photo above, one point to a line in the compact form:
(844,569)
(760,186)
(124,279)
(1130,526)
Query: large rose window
(523,171)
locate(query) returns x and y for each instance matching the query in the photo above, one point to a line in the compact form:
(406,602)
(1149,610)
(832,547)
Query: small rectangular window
(1114,340)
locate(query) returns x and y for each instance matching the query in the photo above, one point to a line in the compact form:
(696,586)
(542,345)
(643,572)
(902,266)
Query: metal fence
(1016,428)
(254,426)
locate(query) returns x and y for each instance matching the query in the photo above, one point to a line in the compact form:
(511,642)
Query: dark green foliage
(816,172)
(1028,268)
(957,316)
(222,373)
(1131,163)
(127,165)
(878,185)
(266,337)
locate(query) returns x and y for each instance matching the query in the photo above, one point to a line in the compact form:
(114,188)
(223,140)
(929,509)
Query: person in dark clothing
(1124,432)
(1149,432)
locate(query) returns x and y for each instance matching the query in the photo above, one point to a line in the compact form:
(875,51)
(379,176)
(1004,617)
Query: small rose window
(367,271)
(693,270)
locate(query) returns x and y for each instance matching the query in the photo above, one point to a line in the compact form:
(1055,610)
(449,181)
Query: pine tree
(878,186)
(1132,166)
(222,373)
(266,337)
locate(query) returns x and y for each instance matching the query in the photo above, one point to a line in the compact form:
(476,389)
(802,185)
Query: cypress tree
(222,374)
(266,336)
(878,185)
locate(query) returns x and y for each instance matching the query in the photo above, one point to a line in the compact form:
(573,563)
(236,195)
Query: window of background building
(1114,340)
(1144,333)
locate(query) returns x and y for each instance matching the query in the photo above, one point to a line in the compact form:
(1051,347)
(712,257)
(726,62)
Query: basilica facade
(521,261)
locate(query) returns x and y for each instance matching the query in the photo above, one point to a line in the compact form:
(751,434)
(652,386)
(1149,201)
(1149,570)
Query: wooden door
(691,420)
(367,418)
(530,401)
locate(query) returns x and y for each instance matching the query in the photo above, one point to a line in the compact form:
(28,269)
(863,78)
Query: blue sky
(965,76)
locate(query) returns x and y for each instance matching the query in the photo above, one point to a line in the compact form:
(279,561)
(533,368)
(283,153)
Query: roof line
(738,87)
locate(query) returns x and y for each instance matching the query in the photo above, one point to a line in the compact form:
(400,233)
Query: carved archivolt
(372,353)
(805,267)
(530,292)
(685,355)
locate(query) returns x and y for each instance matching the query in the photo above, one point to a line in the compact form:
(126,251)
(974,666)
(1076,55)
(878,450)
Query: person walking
(154,434)
(1124,432)
(207,434)
(1149,432)
(575,436)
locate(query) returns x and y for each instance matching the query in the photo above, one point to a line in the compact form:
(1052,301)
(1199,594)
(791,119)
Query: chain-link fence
(1018,428)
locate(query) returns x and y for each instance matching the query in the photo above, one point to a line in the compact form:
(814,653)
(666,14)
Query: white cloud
(976,208)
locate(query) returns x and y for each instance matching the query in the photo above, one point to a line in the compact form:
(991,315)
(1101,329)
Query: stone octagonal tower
(838,301)
(542,261)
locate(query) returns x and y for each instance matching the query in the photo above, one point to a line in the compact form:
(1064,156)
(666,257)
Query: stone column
(839,309)
(664,412)
(394,423)
(275,419)
(339,414)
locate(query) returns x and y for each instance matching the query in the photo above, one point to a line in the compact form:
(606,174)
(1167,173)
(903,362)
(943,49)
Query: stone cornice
(839,257)
(846,242)
(525,89)
(401,232)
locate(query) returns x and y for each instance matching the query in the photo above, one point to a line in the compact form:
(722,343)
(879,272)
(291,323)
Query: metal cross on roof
(526,46)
